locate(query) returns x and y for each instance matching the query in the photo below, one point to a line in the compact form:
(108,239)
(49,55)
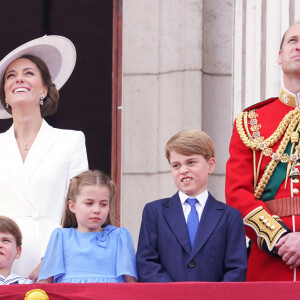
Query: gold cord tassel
(254,170)
(294,140)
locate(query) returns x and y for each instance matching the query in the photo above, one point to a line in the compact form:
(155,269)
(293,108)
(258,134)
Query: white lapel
(14,164)
(20,172)
(39,149)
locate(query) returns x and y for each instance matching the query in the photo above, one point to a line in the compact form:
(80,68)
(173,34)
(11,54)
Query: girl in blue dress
(88,248)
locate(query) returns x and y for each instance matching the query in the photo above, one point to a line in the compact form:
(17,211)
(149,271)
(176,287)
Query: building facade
(191,64)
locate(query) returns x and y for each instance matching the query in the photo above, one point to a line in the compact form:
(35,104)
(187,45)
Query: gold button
(295,180)
(295,191)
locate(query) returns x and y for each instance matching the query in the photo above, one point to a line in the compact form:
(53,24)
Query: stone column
(217,85)
(162,62)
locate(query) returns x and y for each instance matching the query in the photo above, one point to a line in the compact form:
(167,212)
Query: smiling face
(23,86)
(91,207)
(190,172)
(289,55)
(8,252)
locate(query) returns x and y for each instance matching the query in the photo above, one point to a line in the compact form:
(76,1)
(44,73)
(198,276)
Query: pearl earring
(42,100)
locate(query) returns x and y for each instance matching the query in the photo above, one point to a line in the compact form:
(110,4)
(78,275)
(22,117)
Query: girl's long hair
(91,177)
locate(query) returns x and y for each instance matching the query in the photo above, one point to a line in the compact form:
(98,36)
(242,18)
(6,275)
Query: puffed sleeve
(53,260)
(126,262)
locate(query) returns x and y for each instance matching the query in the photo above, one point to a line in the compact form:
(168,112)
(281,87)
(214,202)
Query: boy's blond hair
(10,226)
(189,142)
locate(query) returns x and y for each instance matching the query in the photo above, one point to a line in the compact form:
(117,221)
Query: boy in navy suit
(191,236)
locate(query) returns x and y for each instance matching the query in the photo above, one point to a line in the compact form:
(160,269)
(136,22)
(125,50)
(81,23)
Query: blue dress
(74,256)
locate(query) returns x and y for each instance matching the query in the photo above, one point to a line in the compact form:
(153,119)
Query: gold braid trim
(287,125)
(266,227)
(247,129)
(273,163)
(270,141)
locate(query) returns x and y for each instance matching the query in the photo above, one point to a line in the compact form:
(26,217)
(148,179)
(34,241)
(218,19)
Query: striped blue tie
(192,220)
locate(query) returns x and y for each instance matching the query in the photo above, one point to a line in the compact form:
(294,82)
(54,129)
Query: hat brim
(56,51)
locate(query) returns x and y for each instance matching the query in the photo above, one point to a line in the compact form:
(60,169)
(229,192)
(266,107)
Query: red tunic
(262,266)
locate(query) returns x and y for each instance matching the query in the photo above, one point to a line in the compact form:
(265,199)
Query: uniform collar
(288,98)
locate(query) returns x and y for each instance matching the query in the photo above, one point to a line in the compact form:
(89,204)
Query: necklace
(25,138)
(25,143)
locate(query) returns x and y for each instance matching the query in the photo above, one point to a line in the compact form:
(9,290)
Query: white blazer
(33,193)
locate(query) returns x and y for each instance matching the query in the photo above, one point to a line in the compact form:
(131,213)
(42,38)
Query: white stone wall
(177,65)
(162,61)
(191,64)
(217,85)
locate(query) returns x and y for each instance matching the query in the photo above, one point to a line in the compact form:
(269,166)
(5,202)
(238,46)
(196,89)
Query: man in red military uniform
(262,173)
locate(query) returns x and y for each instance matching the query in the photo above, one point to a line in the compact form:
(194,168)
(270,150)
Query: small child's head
(10,244)
(191,155)
(88,201)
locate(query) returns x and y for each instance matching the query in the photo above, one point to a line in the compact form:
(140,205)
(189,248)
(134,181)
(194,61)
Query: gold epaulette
(265,226)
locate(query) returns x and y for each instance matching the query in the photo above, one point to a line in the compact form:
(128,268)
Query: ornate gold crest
(36,294)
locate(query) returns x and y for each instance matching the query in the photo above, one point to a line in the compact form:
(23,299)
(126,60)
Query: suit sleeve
(235,261)
(148,263)
(261,226)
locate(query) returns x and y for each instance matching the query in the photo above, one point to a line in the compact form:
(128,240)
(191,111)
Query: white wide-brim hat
(56,51)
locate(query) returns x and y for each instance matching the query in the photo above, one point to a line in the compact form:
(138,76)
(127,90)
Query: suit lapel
(211,216)
(41,146)
(175,218)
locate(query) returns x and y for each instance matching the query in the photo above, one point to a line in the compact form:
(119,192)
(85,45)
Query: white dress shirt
(202,198)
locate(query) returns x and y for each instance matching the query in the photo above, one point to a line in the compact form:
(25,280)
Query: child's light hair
(10,226)
(189,142)
(87,178)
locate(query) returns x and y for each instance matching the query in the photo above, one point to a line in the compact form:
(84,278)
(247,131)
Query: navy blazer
(164,252)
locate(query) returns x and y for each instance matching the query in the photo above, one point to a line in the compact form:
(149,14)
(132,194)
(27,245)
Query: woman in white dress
(37,161)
